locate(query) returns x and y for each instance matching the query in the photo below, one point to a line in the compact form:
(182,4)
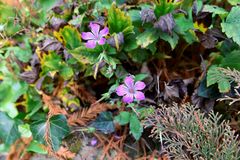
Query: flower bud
(147,15)
(119,38)
(166,23)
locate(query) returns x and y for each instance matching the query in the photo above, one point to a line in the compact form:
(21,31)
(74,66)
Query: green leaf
(172,40)
(208,92)
(214,75)
(139,55)
(123,118)
(163,7)
(199,5)
(8,15)
(136,128)
(70,37)
(232,60)
(54,63)
(234,2)
(140,77)
(36,147)
(214,9)
(47,5)
(183,24)
(232,25)
(118,21)
(104,123)
(58,129)
(33,102)
(10,90)
(23,54)
(8,129)
(147,37)
(25,131)
(85,55)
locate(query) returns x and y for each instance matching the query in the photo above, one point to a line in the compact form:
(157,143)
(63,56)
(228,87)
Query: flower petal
(121,90)
(139,95)
(128,98)
(95,28)
(129,81)
(139,85)
(104,31)
(87,36)
(91,44)
(102,41)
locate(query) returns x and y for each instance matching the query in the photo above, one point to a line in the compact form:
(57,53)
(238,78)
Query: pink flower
(130,90)
(94,141)
(95,36)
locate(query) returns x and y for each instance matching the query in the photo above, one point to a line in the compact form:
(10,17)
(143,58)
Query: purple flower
(94,141)
(95,36)
(130,90)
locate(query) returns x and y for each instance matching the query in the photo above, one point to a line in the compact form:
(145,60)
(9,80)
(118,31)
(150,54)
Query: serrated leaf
(8,129)
(58,129)
(118,21)
(163,7)
(214,9)
(183,24)
(136,128)
(54,63)
(172,40)
(69,36)
(147,37)
(85,55)
(232,25)
(123,118)
(104,123)
(214,76)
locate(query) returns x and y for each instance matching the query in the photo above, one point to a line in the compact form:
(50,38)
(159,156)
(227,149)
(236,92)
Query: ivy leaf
(58,129)
(36,147)
(214,75)
(136,128)
(69,36)
(232,25)
(33,102)
(8,129)
(123,118)
(118,21)
(147,37)
(10,90)
(104,123)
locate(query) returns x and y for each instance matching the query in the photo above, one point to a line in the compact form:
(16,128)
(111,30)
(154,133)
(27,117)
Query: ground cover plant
(119,79)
